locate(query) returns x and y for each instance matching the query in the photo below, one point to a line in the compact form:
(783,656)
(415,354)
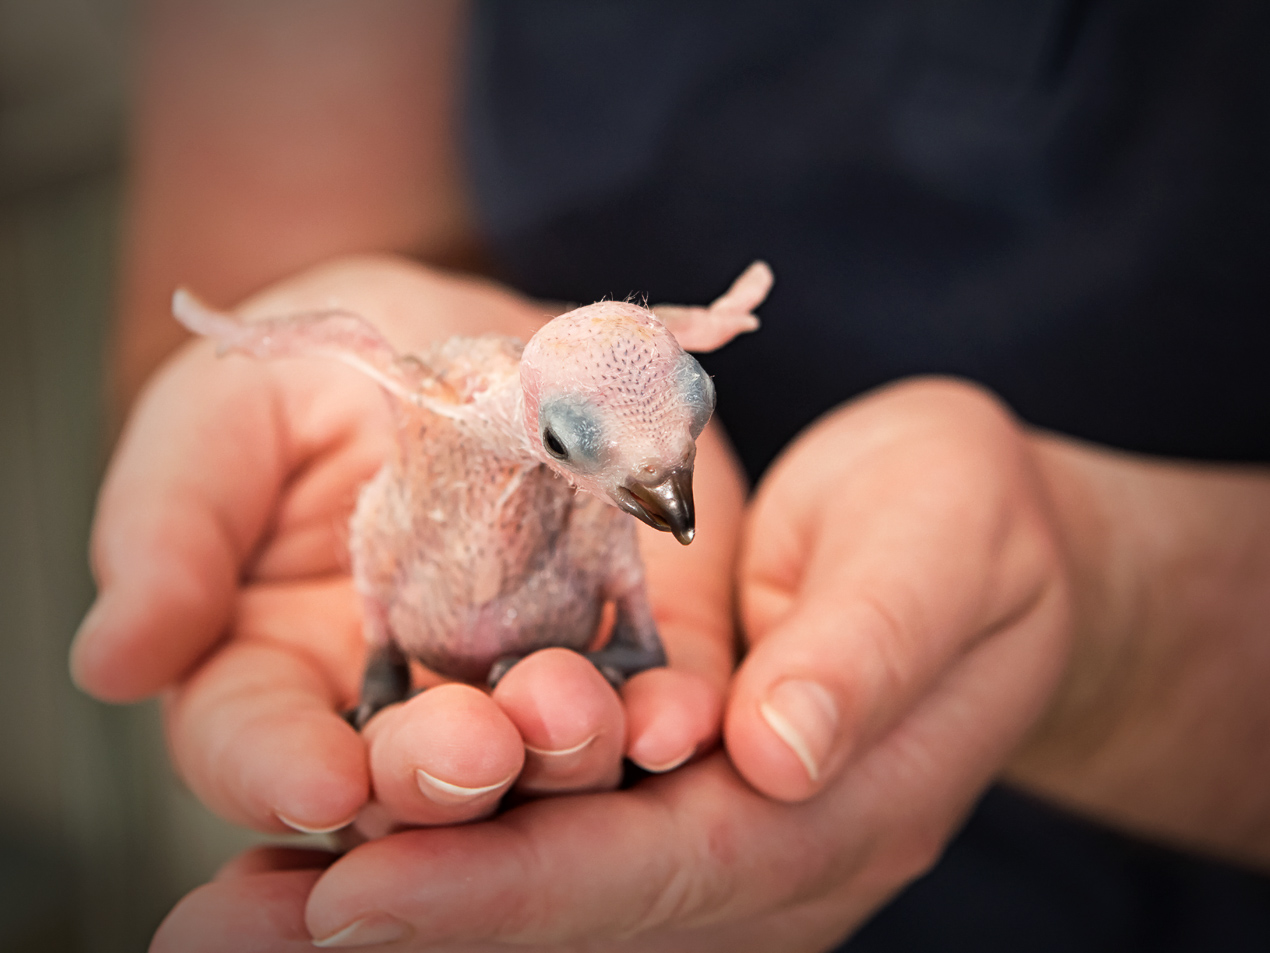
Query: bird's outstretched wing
(707,329)
(336,334)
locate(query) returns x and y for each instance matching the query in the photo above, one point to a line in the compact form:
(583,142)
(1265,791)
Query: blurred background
(97,839)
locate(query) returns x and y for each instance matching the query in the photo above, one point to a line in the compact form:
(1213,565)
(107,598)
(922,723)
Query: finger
(256,736)
(699,849)
(885,543)
(256,913)
(672,716)
(570,720)
(261,913)
(445,756)
(697,853)
(261,860)
(555,870)
(319,620)
(184,501)
(191,504)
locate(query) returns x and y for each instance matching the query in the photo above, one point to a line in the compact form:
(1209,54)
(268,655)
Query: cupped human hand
(220,550)
(908,608)
(902,560)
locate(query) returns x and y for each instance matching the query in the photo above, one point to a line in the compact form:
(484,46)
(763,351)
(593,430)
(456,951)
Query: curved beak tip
(666,506)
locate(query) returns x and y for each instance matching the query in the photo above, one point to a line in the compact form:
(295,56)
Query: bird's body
(468,548)
(499,525)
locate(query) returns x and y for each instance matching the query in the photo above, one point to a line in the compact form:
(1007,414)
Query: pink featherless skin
(472,546)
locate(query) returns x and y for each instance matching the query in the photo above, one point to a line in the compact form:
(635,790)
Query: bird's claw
(500,668)
(615,663)
(359,715)
(386,682)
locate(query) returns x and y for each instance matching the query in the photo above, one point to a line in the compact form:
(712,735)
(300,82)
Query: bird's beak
(666,505)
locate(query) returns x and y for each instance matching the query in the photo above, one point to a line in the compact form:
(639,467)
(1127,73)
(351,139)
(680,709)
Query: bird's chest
(495,559)
(496,527)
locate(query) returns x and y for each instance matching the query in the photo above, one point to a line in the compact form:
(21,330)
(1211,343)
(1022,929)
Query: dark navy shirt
(1065,200)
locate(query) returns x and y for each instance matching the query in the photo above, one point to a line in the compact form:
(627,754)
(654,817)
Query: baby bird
(472,546)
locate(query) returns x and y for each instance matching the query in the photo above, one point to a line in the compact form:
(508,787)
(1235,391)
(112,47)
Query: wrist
(1096,555)
(1159,723)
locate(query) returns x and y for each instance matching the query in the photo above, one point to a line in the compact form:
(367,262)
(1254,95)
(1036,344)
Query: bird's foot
(358,715)
(616,663)
(386,682)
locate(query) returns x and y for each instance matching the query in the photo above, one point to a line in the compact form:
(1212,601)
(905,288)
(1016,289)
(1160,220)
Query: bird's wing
(707,329)
(337,334)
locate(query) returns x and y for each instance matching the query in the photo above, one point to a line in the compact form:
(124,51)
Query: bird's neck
(491,421)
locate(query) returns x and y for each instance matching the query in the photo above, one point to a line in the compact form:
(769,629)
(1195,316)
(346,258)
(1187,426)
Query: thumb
(889,540)
(184,501)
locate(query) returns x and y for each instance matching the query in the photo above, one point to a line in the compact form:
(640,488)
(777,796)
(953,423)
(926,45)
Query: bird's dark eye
(571,432)
(553,445)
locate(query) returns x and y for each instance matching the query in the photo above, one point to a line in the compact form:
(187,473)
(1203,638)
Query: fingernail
(90,618)
(804,715)
(559,759)
(443,792)
(554,770)
(306,829)
(664,766)
(90,621)
(369,930)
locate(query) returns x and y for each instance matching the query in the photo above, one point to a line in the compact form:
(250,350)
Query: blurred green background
(97,839)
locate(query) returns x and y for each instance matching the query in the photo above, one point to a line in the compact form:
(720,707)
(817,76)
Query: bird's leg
(634,645)
(386,680)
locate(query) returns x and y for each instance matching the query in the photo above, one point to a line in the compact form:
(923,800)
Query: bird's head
(615,405)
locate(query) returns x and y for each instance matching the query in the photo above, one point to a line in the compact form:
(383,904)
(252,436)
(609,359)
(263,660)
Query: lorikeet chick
(472,546)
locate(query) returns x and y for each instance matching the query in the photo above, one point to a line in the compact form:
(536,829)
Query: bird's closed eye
(553,445)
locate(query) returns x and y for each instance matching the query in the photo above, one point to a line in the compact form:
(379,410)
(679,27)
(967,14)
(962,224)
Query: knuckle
(898,640)
(908,853)
(687,892)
